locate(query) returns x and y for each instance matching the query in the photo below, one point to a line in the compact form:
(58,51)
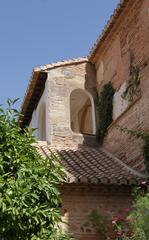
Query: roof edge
(61,63)
(135,178)
(38,77)
(101,38)
(134,172)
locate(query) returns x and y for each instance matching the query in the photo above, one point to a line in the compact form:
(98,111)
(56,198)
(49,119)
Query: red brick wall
(129,35)
(80,200)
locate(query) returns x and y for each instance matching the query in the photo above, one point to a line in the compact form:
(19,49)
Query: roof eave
(36,87)
(32,96)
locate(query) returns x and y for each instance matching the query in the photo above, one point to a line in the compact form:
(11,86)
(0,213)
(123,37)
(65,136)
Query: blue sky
(37,32)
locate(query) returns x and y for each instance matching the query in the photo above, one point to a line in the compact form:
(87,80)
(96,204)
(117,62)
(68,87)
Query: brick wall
(129,36)
(80,200)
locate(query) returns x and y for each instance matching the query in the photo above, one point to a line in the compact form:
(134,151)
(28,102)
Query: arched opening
(42,123)
(82,113)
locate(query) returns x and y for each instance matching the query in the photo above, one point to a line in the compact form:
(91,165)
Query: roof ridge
(107,26)
(134,172)
(60,63)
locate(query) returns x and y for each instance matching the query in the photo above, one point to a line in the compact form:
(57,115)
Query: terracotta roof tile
(60,64)
(93,165)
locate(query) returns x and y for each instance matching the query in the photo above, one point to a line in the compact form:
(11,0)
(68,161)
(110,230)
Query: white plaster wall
(33,123)
(119,104)
(35,115)
(100,73)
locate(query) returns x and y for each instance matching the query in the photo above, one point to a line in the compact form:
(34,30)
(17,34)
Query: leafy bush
(134,225)
(29,197)
(131,223)
(121,226)
(139,218)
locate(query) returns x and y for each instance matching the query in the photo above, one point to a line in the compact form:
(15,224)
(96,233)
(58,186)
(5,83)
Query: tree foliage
(29,197)
(139,217)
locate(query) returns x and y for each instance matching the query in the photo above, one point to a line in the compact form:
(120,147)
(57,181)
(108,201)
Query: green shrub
(29,197)
(134,224)
(139,218)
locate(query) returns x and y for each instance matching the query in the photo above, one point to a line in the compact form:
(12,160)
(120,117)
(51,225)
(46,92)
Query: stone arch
(82,112)
(42,122)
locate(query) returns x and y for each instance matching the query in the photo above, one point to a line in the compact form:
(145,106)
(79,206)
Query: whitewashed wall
(36,113)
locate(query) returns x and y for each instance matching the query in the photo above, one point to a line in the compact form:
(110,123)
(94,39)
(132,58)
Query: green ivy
(97,221)
(133,88)
(105,110)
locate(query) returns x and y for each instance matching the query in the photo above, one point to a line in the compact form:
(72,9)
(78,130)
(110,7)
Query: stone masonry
(61,82)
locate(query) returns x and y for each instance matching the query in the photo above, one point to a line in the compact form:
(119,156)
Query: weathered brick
(130,36)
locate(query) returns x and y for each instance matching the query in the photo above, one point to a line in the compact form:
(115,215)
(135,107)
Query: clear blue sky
(37,32)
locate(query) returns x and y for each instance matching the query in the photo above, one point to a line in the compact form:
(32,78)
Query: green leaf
(29,197)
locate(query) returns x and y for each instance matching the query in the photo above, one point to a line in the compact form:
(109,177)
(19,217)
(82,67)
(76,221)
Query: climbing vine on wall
(105,110)
(97,222)
(133,88)
(145,137)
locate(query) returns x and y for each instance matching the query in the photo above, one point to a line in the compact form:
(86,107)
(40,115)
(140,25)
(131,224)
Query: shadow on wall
(42,122)
(81,113)
(82,105)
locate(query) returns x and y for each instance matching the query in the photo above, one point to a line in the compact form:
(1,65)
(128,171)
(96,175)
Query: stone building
(60,103)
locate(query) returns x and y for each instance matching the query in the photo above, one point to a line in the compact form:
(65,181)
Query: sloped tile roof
(93,165)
